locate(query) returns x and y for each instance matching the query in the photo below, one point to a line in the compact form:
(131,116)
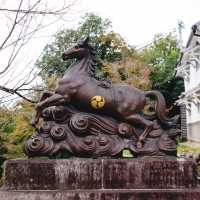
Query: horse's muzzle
(64,56)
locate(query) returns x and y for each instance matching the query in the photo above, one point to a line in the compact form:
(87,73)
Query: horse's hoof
(139,145)
(156,126)
(151,125)
(38,106)
(33,123)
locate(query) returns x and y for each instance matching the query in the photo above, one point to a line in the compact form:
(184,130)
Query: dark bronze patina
(72,124)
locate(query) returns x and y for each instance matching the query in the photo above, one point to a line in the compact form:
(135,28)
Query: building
(189,70)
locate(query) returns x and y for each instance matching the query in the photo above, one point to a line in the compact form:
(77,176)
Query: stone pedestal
(100,179)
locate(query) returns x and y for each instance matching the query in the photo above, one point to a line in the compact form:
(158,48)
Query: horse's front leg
(54,100)
(36,118)
(44,96)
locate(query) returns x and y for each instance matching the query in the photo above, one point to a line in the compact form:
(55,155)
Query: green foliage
(185,147)
(110,46)
(3,151)
(15,129)
(5,127)
(9,126)
(112,51)
(130,70)
(93,25)
(190,149)
(163,57)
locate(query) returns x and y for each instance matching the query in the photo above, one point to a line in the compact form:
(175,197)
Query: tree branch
(39,12)
(12,91)
(13,27)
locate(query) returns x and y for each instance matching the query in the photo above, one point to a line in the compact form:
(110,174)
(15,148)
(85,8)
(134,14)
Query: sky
(137,21)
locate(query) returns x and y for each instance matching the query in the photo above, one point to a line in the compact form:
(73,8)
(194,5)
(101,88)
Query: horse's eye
(76,47)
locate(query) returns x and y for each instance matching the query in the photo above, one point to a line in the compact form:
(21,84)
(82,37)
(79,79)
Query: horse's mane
(93,61)
(92,67)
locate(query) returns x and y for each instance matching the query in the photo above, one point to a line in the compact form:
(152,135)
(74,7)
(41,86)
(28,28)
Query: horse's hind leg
(136,118)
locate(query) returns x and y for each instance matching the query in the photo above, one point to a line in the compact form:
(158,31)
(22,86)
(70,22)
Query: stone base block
(72,174)
(102,195)
(150,178)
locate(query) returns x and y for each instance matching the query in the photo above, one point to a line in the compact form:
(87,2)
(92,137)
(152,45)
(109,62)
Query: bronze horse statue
(79,85)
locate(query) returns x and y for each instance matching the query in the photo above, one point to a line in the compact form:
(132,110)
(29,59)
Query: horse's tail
(161,108)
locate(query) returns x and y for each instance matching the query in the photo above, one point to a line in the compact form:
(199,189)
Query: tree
(23,21)
(130,70)
(5,125)
(15,128)
(127,67)
(112,52)
(90,25)
(163,55)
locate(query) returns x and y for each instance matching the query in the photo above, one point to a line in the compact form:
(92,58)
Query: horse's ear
(86,40)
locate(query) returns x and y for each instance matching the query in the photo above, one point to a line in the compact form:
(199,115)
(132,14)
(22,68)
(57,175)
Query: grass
(188,148)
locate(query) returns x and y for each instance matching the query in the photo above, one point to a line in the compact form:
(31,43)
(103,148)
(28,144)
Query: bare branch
(34,12)
(12,99)
(13,27)
(39,12)
(22,24)
(33,89)
(12,91)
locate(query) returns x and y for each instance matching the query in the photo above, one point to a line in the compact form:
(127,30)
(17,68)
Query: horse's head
(80,50)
